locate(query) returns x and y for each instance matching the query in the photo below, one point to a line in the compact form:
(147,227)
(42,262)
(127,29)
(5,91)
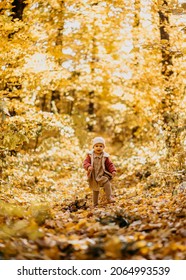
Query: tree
(169,102)
(18,7)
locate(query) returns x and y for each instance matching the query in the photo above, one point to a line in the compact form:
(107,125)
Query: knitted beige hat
(98,140)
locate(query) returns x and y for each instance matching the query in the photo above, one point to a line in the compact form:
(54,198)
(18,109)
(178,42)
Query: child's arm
(110,166)
(87,163)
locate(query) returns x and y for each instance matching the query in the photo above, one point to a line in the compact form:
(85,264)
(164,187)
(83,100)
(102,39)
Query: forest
(73,70)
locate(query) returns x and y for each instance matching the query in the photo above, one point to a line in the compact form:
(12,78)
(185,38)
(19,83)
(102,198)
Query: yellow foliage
(65,66)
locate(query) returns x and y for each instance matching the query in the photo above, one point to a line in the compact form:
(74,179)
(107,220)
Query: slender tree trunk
(169,116)
(59,37)
(91,95)
(136,47)
(136,25)
(91,110)
(165,42)
(135,39)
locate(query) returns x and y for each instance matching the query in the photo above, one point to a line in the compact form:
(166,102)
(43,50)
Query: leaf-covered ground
(50,216)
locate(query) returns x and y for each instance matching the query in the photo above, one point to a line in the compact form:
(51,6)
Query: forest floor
(54,218)
(46,209)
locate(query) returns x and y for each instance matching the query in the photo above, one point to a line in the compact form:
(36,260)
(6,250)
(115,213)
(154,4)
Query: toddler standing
(100,170)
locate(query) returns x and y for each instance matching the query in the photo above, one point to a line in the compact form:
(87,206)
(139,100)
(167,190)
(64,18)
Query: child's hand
(113,174)
(90,168)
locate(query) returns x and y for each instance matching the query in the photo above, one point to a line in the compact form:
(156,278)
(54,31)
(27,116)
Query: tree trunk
(18,8)
(165,42)
(91,110)
(136,31)
(59,37)
(91,95)
(169,116)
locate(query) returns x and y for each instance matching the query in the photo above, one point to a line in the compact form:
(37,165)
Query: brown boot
(111,200)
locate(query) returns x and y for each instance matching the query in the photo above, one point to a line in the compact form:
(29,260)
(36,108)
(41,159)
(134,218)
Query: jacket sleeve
(109,166)
(87,162)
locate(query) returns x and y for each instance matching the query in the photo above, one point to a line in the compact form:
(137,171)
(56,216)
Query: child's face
(98,148)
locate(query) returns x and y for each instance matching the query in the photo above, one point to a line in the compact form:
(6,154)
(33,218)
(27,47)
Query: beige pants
(108,192)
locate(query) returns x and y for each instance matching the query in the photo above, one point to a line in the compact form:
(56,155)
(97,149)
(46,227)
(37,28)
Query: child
(100,170)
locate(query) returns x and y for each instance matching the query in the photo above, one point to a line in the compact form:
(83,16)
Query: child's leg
(95,197)
(108,191)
